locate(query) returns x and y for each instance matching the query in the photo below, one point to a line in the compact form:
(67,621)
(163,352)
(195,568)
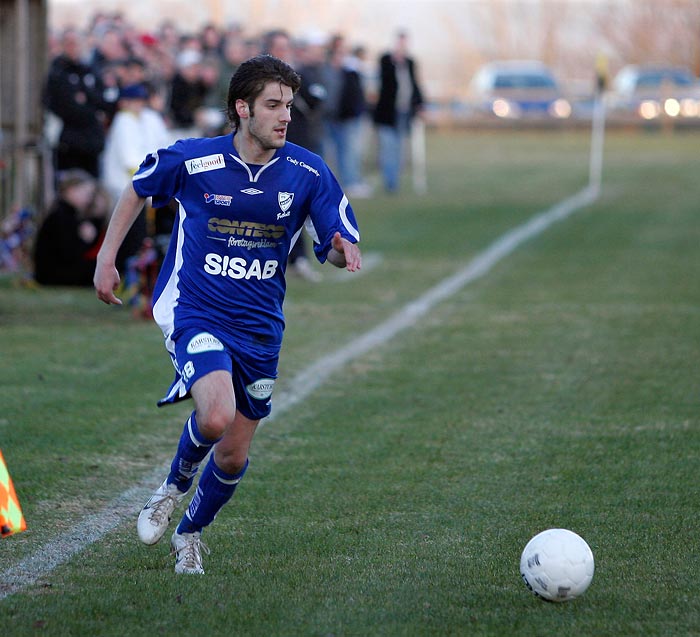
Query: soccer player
(242,201)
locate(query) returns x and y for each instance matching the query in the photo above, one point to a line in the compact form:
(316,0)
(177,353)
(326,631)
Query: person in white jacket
(136,131)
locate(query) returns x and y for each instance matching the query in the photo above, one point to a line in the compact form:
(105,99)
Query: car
(649,92)
(518,90)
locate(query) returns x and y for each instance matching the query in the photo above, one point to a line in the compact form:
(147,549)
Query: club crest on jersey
(204,164)
(284,199)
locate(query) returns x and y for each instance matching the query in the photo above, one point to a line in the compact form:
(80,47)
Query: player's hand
(106,281)
(350,251)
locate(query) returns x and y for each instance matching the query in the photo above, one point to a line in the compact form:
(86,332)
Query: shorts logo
(204,342)
(219,200)
(204,164)
(261,389)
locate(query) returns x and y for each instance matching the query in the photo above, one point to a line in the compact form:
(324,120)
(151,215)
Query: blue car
(518,89)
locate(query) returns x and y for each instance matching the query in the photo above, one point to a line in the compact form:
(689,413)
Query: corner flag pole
(418,162)
(595,168)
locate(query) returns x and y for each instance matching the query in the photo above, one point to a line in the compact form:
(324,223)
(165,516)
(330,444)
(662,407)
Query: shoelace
(191,553)
(159,512)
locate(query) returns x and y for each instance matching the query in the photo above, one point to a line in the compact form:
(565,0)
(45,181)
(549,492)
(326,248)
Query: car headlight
(560,108)
(672,107)
(689,107)
(504,109)
(649,109)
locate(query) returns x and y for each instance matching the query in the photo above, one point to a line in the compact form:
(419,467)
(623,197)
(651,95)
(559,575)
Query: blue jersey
(236,223)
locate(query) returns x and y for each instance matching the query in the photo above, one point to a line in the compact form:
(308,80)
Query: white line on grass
(94,527)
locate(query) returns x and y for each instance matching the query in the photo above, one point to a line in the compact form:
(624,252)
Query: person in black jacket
(346,117)
(66,246)
(73,93)
(400,99)
(187,93)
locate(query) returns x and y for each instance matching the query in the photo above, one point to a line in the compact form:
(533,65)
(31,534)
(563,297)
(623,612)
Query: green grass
(559,390)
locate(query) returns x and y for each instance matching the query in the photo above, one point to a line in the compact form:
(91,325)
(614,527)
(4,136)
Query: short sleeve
(159,175)
(331,212)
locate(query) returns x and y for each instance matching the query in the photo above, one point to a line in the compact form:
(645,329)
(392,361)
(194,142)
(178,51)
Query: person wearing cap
(136,131)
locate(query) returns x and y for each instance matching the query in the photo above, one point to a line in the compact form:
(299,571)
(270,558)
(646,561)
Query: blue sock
(191,450)
(215,489)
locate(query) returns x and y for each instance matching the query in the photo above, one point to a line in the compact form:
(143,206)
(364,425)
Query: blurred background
(517,63)
(451,38)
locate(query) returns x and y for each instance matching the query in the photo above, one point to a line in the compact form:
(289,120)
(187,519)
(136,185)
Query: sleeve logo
(219,200)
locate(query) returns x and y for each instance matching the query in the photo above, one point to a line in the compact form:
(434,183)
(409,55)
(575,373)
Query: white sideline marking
(316,374)
(94,527)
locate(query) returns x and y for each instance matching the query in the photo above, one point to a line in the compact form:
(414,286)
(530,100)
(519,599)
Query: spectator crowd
(113,93)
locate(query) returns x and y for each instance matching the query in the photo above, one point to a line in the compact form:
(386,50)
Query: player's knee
(232,461)
(214,423)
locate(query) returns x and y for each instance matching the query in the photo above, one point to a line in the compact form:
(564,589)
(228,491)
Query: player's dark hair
(250,79)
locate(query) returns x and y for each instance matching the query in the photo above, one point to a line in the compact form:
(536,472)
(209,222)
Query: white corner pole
(595,167)
(418,156)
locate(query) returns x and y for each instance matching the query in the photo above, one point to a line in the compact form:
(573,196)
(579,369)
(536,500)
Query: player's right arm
(106,277)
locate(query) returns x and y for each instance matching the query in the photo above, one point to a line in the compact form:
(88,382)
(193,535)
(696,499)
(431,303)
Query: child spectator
(69,238)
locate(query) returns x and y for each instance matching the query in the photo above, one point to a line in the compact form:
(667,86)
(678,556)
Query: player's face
(267,123)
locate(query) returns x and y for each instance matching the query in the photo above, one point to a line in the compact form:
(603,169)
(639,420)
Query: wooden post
(21,84)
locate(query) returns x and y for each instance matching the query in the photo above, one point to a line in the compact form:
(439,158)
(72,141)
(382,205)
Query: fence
(23,158)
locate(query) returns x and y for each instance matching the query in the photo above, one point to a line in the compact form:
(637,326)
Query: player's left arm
(344,254)
(331,217)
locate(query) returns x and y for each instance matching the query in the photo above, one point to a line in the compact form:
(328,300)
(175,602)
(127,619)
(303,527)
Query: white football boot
(156,514)
(187,549)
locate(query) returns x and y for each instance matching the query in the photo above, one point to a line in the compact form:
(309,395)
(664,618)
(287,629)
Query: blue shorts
(252,365)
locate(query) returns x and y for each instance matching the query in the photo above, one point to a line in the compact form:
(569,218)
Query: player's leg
(228,463)
(199,435)
(206,364)
(213,396)
(192,448)
(230,405)
(224,470)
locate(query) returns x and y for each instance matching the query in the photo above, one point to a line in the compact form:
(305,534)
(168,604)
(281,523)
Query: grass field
(559,390)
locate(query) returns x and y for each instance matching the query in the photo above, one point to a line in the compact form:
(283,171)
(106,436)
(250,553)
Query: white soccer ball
(557,565)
